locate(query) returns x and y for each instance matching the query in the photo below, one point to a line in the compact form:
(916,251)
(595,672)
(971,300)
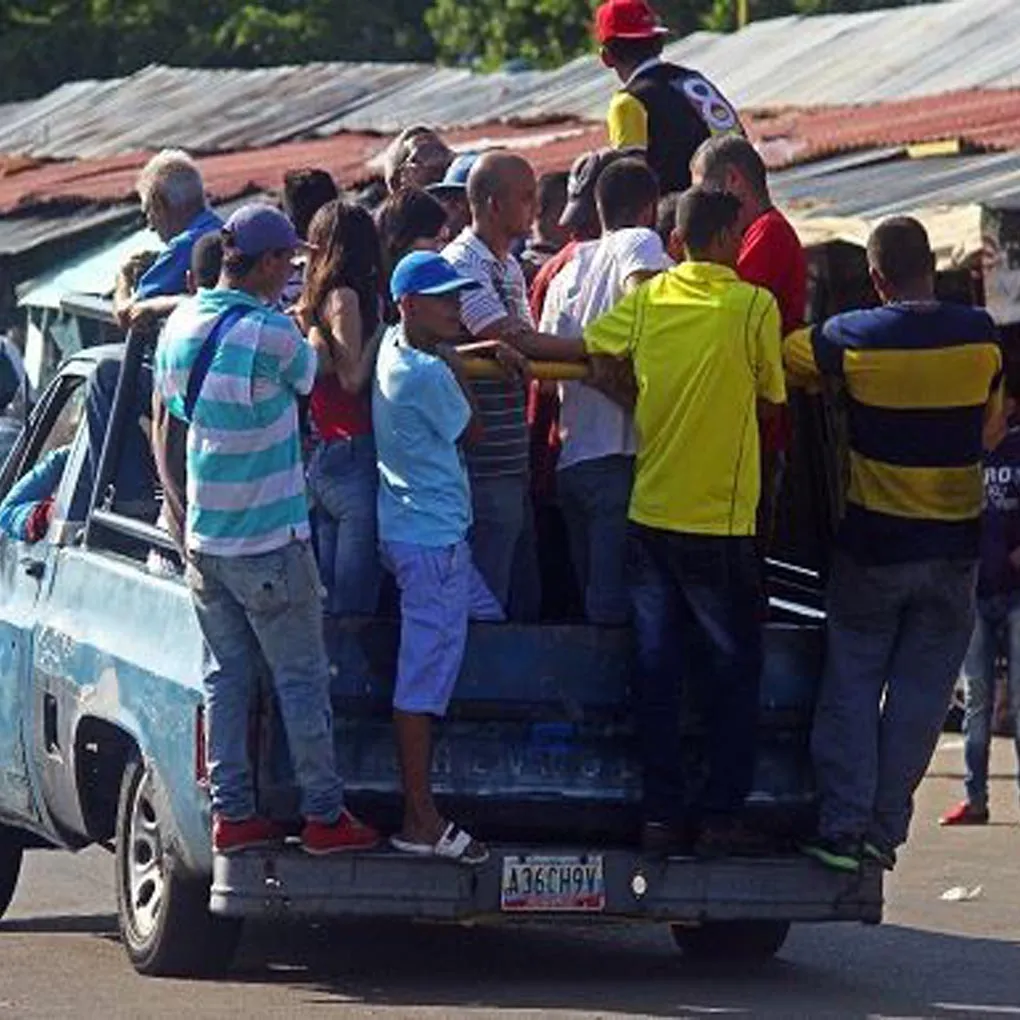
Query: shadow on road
(84,924)
(855,972)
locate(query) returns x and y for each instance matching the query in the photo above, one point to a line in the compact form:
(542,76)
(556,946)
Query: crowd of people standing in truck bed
(491,365)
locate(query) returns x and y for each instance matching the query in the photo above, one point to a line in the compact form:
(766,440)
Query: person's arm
(799,357)
(340,347)
(644,258)
(297,358)
(770,380)
(995,426)
(485,317)
(610,342)
(26,510)
(627,122)
(456,420)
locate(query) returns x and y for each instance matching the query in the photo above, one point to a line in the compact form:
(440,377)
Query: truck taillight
(201,765)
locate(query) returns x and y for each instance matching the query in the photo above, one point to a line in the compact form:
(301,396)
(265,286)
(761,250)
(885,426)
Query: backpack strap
(204,358)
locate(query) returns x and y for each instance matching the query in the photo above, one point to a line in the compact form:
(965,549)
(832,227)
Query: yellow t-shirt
(705,347)
(627,121)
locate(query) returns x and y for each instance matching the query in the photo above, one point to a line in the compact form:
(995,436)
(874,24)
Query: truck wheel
(163,914)
(732,941)
(10,865)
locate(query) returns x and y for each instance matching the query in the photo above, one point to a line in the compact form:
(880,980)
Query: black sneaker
(885,858)
(843,854)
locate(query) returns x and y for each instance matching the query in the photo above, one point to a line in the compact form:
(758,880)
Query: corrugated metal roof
(349,157)
(795,61)
(889,185)
(20,234)
(979,118)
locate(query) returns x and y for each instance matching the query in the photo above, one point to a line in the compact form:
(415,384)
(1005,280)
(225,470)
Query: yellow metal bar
(743,15)
(483,368)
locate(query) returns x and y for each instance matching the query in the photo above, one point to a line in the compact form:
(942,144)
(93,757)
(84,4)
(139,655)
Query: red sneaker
(346,833)
(965,813)
(232,837)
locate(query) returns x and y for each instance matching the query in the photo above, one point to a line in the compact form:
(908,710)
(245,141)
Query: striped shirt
(246,486)
(918,379)
(502,294)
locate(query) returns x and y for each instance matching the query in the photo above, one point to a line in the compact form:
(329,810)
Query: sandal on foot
(455,844)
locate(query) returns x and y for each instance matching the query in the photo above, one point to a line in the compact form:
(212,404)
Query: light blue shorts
(440,590)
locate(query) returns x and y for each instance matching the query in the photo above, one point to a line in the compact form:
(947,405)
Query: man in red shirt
(771,256)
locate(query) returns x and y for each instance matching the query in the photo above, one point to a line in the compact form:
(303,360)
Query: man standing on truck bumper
(923,381)
(233,368)
(705,350)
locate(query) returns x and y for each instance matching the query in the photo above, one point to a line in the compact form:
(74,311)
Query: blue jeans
(268,603)
(595,495)
(697,623)
(897,636)
(997,618)
(343,479)
(502,542)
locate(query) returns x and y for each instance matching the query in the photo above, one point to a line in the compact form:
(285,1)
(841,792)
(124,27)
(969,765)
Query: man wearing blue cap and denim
(423,412)
(232,367)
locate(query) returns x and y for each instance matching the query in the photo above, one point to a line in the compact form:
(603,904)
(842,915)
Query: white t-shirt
(592,425)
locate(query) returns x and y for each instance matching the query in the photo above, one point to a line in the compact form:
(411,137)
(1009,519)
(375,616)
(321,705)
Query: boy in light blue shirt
(422,413)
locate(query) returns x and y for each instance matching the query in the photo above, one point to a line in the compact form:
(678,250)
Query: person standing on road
(232,368)
(423,412)
(998,622)
(692,568)
(665,110)
(502,192)
(923,381)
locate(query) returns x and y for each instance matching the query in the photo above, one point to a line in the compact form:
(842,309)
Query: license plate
(554,883)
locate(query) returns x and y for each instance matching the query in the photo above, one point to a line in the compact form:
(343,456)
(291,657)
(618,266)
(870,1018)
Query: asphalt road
(59,955)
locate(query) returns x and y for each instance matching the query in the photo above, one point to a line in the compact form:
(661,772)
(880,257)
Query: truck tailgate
(385,883)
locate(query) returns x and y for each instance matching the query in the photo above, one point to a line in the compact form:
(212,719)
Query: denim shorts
(440,590)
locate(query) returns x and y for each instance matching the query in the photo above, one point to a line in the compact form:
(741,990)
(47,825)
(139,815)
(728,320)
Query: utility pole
(742,13)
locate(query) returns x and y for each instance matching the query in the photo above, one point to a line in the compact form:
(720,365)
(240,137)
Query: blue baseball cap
(426,272)
(455,179)
(257,228)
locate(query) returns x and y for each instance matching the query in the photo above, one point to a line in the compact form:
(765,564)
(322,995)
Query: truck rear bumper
(289,883)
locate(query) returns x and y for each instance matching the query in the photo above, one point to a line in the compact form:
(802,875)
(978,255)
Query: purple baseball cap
(257,228)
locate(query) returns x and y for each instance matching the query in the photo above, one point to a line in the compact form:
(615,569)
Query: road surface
(59,955)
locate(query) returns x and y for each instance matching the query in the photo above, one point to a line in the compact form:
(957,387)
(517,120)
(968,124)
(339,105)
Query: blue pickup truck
(102,739)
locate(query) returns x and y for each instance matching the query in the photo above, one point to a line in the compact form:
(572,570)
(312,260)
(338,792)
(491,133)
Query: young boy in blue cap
(422,413)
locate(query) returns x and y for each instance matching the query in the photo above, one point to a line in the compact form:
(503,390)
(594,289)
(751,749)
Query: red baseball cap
(627,19)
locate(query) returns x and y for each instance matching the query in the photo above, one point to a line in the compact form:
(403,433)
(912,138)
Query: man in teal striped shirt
(232,368)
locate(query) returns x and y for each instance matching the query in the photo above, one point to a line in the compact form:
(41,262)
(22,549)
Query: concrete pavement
(59,955)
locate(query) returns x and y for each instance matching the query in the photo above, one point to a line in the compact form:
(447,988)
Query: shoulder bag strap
(204,359)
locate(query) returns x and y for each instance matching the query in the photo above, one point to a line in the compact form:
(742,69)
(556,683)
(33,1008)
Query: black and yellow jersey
(919,381)
(669,111)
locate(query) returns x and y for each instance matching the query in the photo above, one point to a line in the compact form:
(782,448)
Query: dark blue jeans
(696,601)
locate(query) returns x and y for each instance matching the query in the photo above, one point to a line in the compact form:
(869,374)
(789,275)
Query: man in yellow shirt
(663,109)
(705,352)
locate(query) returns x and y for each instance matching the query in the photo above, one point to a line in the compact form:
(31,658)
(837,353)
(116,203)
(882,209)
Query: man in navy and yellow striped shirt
(923,388)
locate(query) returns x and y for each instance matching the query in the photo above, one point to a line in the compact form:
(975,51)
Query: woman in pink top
(340,310)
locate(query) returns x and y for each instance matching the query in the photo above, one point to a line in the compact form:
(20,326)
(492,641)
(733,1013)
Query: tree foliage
(46,42)
(545,33)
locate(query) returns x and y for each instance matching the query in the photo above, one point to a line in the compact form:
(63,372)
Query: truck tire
(11,852)
(163,914)
(732,941)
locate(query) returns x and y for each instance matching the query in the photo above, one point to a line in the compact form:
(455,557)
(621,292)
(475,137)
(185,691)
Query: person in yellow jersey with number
(663,108)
